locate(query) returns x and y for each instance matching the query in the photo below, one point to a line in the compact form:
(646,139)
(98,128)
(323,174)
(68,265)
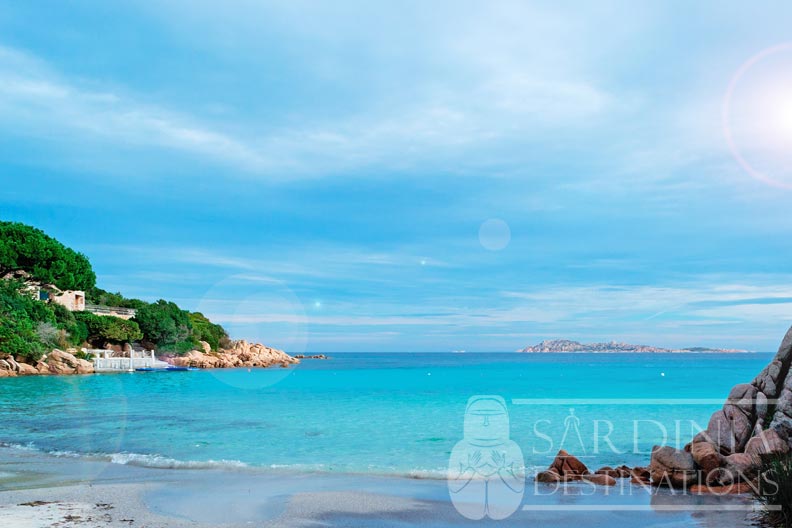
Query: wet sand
(39,490)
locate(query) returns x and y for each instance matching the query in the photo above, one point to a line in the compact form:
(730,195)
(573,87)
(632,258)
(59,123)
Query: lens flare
(759,121)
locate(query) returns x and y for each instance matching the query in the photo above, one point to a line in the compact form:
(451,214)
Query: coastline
(199,492)
(97,494)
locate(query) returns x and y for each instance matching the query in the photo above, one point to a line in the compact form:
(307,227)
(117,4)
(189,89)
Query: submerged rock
(600,479)
(611,472)
(730,489)
(549,477)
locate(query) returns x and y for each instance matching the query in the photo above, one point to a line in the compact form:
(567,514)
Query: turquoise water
(372,413)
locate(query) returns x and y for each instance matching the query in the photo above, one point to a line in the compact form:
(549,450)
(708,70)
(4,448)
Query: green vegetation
(19,318)
(29,327)
(205,330)
(104,298)
(29,249)
(166,326)
(775,490)
(103,329)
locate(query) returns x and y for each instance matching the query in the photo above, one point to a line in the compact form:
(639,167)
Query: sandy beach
(40,490)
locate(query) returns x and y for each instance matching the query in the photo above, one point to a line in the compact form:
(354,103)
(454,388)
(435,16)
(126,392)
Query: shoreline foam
(104,494)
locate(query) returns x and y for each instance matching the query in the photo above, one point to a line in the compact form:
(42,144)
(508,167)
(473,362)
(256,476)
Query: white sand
(104,506)
(74,493)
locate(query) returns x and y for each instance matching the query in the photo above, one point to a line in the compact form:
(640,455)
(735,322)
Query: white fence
(103,363)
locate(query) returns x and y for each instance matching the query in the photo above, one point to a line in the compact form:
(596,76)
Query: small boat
(164,369)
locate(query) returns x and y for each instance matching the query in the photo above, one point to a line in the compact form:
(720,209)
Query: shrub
(105,298)
(78,333)
(205,330)
(775,490)
(19,319)
(18,338)
(49,334)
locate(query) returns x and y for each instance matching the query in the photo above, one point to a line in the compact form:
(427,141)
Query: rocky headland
(239,354)
(755,420)
(566,346)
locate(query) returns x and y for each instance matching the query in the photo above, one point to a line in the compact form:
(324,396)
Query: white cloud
(491,88)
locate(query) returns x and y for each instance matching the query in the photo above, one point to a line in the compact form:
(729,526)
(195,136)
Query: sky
(415,176)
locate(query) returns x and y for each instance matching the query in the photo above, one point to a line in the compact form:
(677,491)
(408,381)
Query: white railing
(103,363)
(110,310)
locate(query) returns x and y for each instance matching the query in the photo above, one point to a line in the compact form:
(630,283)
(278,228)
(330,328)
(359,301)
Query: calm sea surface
(373,413)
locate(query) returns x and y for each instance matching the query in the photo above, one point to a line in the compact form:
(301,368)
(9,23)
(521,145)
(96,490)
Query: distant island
(565,345)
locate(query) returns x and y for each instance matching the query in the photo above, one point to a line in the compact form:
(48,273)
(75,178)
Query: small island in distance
(565,345)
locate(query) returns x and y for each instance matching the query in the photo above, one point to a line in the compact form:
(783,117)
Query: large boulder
(6,373)
(60,362)
(739,467)
(706,456)
(782,418)
(10,367)
(776,383)
(672,467)
(6,369)
(730,428)
(766,442)
(567,465)
(27,370)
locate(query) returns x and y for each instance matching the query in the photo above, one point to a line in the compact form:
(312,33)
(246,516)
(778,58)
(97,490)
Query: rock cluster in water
(755,420)
(240,354)
(567,468)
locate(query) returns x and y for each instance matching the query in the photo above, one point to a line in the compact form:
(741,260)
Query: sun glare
(784,116)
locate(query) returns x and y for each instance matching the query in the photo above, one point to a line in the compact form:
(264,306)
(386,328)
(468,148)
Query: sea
(395,414)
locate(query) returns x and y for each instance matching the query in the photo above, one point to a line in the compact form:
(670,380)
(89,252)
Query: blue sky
(415,176)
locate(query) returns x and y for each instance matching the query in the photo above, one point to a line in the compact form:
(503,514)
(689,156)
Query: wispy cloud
(37,100)
(504,100)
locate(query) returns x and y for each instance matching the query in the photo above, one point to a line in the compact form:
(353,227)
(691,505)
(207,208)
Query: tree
(20,316)
(166,326)
(26,248)
(103,329)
